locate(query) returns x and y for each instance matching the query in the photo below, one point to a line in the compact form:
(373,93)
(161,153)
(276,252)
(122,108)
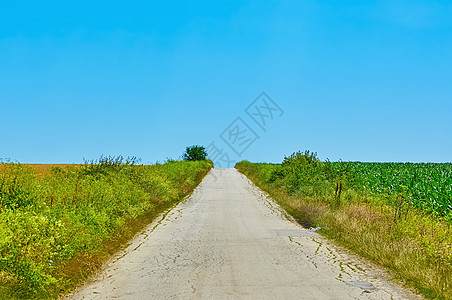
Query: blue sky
(356,80)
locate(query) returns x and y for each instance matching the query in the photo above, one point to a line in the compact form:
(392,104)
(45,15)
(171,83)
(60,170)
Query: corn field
(427,186)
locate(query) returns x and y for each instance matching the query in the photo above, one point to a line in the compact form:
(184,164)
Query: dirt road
(229,241)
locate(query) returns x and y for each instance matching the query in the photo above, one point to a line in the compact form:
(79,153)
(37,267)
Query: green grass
(387,225)
(56,230)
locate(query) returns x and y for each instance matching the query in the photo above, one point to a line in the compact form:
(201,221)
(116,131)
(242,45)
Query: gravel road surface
(230,241)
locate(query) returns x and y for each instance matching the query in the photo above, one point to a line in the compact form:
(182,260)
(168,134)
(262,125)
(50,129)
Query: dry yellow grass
(43,169)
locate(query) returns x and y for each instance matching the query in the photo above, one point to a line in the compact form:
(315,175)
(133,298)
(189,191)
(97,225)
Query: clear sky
(355,80)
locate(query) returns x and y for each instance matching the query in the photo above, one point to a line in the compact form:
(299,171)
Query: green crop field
(423,185)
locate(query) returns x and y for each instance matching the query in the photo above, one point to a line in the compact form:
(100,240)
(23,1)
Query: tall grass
(384,227)
(46,223)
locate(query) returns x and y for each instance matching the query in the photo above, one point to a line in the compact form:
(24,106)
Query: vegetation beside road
(397,215)
(59,226)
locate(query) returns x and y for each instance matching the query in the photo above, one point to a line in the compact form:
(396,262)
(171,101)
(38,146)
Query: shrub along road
(229,240)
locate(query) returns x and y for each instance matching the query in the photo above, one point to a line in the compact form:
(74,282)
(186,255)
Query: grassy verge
(57,228)
(416,246)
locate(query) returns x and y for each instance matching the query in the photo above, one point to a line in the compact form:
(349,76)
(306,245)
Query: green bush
(195,153)
(303,174)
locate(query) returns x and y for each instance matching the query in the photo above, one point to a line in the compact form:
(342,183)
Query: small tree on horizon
(194,153)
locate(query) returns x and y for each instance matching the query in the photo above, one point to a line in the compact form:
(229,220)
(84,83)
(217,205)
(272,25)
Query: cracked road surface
(230,241)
